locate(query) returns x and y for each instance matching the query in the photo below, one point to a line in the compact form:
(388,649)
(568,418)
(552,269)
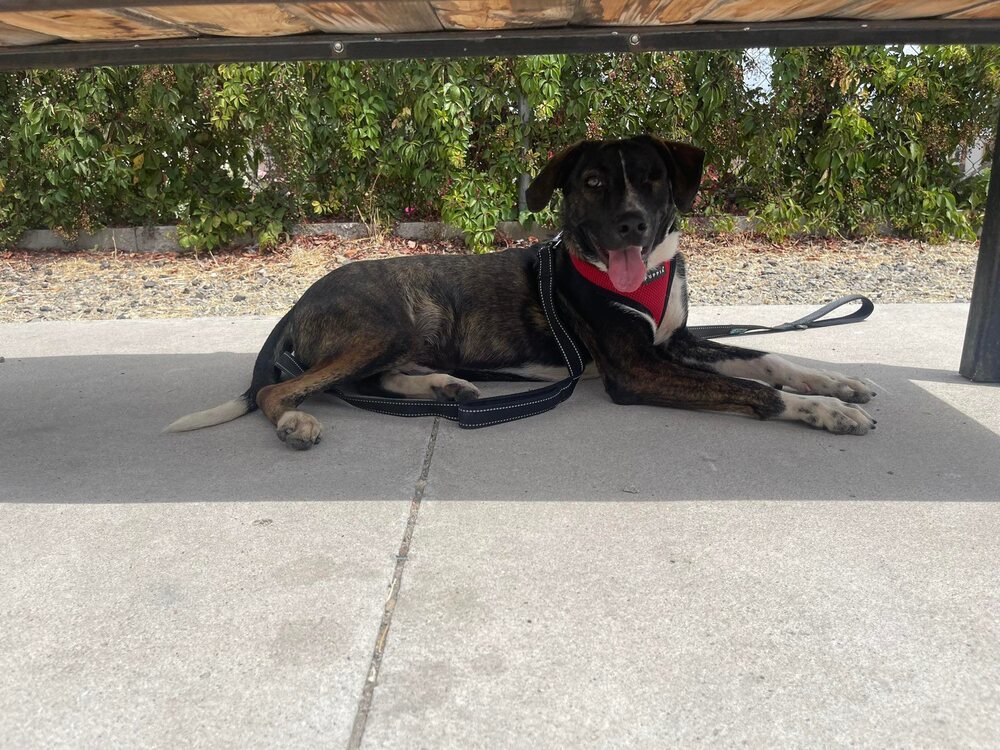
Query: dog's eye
(593,181)
(652,178)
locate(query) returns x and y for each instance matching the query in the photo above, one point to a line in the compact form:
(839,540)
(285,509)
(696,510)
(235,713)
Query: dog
(404,326)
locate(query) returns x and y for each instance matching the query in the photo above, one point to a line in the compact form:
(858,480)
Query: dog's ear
(685,164)
(553,176)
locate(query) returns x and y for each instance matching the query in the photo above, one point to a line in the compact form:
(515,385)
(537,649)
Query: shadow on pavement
(87,429)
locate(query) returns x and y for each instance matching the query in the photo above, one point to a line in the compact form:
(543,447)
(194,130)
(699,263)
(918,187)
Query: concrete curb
(427,231)
(345,230)
(163,239)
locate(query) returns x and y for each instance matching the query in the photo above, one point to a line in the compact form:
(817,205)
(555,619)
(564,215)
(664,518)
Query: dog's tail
(264,373)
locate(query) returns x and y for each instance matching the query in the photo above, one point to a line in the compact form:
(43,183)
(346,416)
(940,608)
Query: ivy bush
(848,140)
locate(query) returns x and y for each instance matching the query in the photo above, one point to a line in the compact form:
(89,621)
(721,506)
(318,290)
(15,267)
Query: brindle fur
(367,321)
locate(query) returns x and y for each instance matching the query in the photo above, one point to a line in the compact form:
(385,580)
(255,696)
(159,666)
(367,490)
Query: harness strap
(812,320)
(485,411)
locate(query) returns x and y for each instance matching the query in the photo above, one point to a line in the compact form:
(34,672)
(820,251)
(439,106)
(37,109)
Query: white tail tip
(216,415)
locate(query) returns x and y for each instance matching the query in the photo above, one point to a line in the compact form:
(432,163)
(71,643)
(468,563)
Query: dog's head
(622,201)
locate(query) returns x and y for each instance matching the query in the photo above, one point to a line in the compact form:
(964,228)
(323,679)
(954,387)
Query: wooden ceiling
(40,22)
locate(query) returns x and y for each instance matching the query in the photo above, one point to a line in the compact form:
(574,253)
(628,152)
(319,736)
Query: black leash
(483,412)
(812,320)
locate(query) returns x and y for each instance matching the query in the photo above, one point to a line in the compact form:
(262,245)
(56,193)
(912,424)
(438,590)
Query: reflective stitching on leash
(545,253)
(398,414)
(285,369)
(511,419)
(387,400)
(550,315)
(525,403)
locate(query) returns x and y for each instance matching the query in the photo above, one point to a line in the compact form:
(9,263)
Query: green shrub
(845,140)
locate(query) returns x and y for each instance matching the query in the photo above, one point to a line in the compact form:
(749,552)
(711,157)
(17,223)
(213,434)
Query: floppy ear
(684,163)
(553,176)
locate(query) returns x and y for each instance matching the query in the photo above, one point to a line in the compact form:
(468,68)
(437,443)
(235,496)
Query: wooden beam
(467,15)
(95,25)
(501,43)
(231,19)
(984,10)
(64,5)
(640,12)
(367,16)
(770,10)
(93,20)
(890,9)
(13,36)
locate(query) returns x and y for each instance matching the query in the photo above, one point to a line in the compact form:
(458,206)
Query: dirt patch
(736,269)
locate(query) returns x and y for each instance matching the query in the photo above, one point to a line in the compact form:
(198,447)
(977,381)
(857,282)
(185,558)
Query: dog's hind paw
(299,430)
(828,413)
(455,389)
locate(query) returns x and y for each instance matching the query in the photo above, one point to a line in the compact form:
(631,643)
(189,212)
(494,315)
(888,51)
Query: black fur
(368,323)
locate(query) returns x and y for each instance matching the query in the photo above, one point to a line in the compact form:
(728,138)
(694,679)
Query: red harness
(651,297)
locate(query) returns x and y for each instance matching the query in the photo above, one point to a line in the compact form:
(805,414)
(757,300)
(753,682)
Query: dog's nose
(631,225)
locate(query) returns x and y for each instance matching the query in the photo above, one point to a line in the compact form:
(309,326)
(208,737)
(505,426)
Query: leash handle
(485,411)
(815,319)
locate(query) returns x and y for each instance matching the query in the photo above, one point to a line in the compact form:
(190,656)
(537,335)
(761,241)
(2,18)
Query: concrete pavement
(598,576)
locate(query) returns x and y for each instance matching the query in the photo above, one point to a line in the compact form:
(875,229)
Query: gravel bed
(734,269)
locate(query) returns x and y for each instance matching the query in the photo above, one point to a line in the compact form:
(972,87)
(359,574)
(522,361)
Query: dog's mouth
(626,267)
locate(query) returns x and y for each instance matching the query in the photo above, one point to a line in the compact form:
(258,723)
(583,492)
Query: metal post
(981,355)
(525,179)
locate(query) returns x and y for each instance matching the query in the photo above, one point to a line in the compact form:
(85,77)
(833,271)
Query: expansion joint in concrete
(368,691)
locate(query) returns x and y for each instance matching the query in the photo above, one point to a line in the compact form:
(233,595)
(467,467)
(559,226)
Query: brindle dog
(400,326)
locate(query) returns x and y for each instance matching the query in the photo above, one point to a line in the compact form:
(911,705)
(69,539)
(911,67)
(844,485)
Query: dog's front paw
(828,413)
(823,383)
(299,430)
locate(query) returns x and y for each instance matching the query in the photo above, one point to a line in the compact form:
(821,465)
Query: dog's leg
(645,379)
(769,368)
(279,401)
(436,385)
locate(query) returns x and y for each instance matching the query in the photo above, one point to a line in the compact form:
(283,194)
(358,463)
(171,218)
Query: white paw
(825,383)
(449,388)
(828,413)
(780,372)
(437,385)
(299,430)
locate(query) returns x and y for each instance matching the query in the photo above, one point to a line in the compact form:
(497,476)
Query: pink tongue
(626,269)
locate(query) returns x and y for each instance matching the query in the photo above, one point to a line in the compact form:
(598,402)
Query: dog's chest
(676,310)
